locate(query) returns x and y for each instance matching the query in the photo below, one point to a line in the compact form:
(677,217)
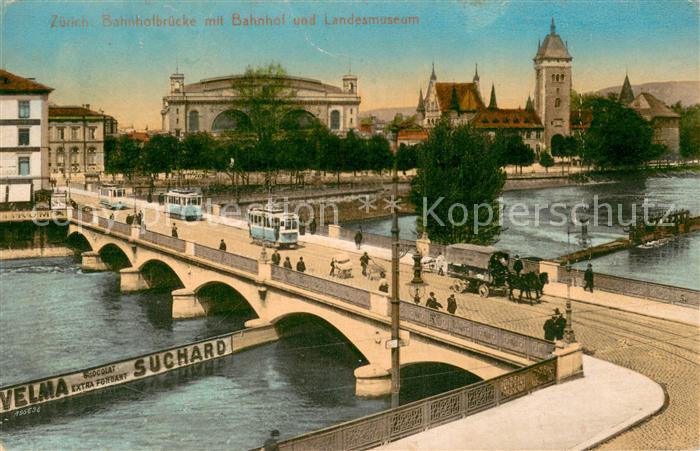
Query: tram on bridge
(112,196)
(184,203)
(272,225)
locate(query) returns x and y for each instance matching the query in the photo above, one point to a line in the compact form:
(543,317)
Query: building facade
(553,86)
(24,139)
(212,105)
(664,121)
(76,141)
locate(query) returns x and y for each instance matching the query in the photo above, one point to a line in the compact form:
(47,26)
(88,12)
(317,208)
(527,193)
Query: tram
(184,204)
(112,196)
(271,225)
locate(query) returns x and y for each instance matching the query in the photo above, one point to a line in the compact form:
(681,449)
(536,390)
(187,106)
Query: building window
(562,77)
(193,122)
(335,120)
(539,135)
(23,109)
(23,165)
(74,156)
(92,131)
(74,132)
(60,157)
(554,77)
(557,102)
(60,133)
(23,137)
(91,156)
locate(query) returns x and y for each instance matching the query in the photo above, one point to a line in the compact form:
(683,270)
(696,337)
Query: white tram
(272,225)
(112,196)
(184,204)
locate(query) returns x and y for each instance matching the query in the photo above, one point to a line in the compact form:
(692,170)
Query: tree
(510,149)
(406,157)
(379,155)
(546,161)
(689,130)
(123,156)
(618,136)
(160,154)
(458,173)
(197,149)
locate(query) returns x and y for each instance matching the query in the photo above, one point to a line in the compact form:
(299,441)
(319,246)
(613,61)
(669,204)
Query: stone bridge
(147,259)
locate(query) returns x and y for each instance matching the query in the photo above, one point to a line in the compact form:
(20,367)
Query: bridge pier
(186,305)
(569,360)
(91,262)
(131,279)
(372,381)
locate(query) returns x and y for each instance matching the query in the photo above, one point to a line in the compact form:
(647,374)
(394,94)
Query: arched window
(60,156)
(562,77)
(230,120)
(91,156)
(74,156)
(557,102)
(335,120)
(554,77)
(193,121)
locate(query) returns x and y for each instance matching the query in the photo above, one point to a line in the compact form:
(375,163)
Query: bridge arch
(219,297)
(114,256)
(79,241)
(159,274)
(422,379)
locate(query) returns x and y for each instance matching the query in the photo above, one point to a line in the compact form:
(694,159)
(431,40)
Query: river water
(533,226)
(56,318)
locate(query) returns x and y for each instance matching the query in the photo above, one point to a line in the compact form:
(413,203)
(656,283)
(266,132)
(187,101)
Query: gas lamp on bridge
(416,287)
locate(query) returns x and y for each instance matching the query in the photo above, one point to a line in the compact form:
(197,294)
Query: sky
(125,70)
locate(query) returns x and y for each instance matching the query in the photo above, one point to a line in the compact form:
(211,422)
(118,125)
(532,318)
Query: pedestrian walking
(452,304)
(440,263)
(173,231)
(358,238)
(432,302)
(364,261)
(588,278)
(276,258)
(222,245)
(549,329)
(332,267)
(287,263)
(301,266)
(312,226)
(517,265)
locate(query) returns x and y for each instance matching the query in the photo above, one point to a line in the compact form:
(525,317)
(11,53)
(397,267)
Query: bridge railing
(491,336)
(635,288)
(384,427)
(81,215)
(346,293)
(226,258)
(164,240)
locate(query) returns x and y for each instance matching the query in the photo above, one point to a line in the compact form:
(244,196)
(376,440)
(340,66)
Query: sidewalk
(656,309)
(574,415)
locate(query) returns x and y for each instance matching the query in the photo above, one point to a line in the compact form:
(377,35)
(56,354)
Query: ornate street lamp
(569,336)
(416,287)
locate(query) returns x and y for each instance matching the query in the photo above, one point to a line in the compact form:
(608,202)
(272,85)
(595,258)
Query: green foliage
(406,157)
(123,156)
(510,149)
(618,136)
(160,154)
(546,160)
(565,146)
(459,166)
(689,130)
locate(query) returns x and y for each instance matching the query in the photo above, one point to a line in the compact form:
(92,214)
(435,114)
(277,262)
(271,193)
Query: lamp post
(395,301)
(416,287)
(569,336)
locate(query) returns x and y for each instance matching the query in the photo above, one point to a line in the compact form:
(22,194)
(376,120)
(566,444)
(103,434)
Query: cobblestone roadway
(666,352)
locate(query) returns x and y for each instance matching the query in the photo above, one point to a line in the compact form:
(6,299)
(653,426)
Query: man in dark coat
(588,278)
(276,258)
(452,304)
(358,238)
(517,265)
(312,226)
(287,263)
(559,324)
(549,329)
(432,302)
(173,231)
(222,245)
(364,261)
(301,266)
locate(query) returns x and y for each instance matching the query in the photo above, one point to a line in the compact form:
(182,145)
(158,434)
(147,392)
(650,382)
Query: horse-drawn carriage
(485,269)
(342,266)
(481,269)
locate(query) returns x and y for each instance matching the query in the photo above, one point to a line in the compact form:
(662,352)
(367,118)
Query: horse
(526,283)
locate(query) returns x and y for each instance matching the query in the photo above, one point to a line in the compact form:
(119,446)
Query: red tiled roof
(139,136)
(71,111)
(14,84)
(650,107)
(467,94)
(506,118)
(413,135)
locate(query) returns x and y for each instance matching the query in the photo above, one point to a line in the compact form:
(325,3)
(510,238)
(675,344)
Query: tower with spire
(492,101)
(552,100)
(626,93)
(475,80)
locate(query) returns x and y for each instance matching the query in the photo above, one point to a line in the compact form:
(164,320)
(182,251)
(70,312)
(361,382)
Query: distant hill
(669,92)
(387,114)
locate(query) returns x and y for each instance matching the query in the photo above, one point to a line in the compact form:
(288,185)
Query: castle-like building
(214,104)
(546,115)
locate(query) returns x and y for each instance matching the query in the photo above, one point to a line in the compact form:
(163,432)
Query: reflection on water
(540,232)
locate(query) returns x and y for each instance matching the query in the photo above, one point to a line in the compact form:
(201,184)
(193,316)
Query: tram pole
(395,301)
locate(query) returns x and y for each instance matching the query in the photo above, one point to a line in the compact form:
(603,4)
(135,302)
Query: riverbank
(42,252)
